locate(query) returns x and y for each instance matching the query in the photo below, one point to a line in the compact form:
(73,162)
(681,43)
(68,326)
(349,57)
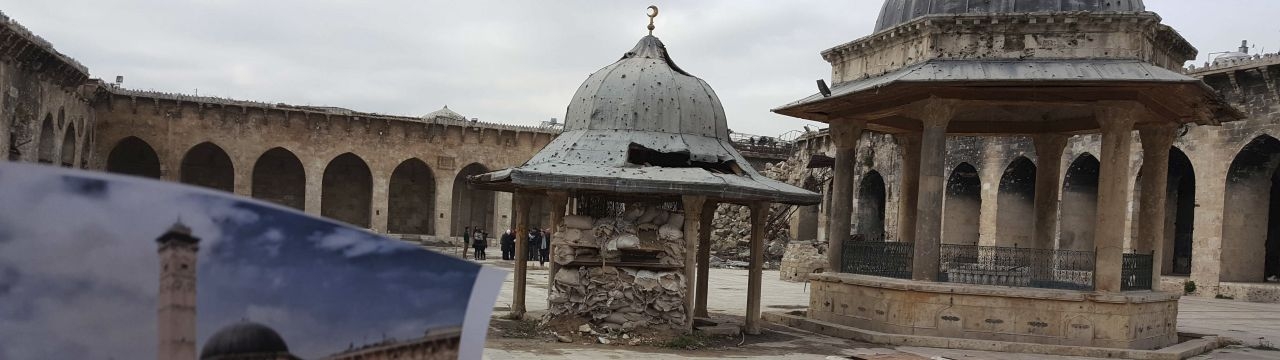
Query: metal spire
(653,13)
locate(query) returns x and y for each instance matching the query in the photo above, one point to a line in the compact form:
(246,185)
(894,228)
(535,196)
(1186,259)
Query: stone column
(1049,149)
(559,200)
(311,202)
(444,208)
(379,201)
(692,229)
(522,255)
(704,258)
(910,189)
(845,134)
(934,115)
(1116,119)
(1156,141)
(759,214)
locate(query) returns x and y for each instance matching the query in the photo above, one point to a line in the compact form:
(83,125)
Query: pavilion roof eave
(956,78)
(729,188)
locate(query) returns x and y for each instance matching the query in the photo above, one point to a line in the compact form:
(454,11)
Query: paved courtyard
(1251,323)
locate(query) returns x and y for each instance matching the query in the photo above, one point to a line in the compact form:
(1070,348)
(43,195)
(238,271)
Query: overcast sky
(500,61)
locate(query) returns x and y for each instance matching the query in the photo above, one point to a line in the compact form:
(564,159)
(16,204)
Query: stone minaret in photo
(176,303)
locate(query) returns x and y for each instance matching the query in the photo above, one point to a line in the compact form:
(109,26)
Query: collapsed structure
(644,156)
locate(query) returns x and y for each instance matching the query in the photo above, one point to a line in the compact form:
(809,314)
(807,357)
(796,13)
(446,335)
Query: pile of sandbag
(641,229)
(616,297)
(619,298)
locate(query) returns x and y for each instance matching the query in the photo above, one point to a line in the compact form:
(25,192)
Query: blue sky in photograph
(79,271)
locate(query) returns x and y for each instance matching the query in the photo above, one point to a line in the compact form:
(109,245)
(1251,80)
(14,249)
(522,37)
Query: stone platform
(1131,320)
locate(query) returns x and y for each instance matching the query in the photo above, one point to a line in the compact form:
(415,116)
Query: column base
(1142,320)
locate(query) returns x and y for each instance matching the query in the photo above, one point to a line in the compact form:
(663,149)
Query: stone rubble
(649,291)
(731,226)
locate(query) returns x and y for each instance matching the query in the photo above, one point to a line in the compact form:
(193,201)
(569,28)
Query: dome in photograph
(444,113)
(243,338)
(896,12)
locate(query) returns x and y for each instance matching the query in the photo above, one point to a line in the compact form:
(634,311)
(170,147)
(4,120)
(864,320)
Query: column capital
(1049,146)
(1157,136)
(1118,115)
(557,196)
(845,133)
(933,112)
(693,205)
(907,140)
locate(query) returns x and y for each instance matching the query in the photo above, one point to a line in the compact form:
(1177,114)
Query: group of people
(478,239)
(538,244)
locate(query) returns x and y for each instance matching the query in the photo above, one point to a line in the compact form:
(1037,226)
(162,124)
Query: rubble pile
(731,227)
(623,272)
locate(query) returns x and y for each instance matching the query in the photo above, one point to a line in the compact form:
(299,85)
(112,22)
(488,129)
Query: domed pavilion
(246,340)
(1045,69)
(641,135)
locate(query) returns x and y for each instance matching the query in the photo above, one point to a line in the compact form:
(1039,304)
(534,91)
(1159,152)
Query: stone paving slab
(1248,322)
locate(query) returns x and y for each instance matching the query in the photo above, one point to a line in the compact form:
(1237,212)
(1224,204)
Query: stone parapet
(1132,320)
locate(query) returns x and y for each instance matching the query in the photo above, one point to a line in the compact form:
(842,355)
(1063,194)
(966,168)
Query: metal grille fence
(1135,272)
(1010,266)
(877,258)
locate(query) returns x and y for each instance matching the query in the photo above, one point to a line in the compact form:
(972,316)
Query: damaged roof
(642,125)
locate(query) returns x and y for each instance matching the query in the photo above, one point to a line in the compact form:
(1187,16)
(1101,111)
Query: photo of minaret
(273,283)
(176,300)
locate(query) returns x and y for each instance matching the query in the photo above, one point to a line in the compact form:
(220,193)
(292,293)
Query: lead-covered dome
(896,12)
(643,126)
(646,91)
(241,339)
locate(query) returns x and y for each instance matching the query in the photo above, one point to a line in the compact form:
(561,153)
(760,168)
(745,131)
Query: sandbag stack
(621,272)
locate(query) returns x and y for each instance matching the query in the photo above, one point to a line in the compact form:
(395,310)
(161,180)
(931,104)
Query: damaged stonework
(622,272)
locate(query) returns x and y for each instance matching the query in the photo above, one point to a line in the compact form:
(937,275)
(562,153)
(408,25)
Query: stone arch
(471,207)
(869,220)
(1251,222)
(278,177)
(961,206)
(1078,210)
(209,166)
(346,190)
(46,150)
(1179,214)
(132,156)
(1015,204)
(69,146)
(411,198)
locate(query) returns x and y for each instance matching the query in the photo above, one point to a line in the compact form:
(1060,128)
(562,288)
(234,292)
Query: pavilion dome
(241,339)
(644,126)
(444,113)
(646,91)
(896,12)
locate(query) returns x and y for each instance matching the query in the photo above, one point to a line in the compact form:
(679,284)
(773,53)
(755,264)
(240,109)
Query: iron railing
(877,258)
(1135,272)
(1011,266)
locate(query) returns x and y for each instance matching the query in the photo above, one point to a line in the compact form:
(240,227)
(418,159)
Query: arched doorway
(69,147)
(869,220)
(1078,211)
(1015,205)
(209,166)
(961,206)
(471,207)
(1179,214)
(278,177)
(1251,222)
(412,198)
(346,190)
(132,156)
(45,151)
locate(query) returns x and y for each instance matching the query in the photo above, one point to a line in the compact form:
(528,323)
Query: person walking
(508,243)
(466,240)
(478,242)
(544,247)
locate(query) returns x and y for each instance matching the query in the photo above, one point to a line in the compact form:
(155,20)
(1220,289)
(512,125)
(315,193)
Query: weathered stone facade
(393,174)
